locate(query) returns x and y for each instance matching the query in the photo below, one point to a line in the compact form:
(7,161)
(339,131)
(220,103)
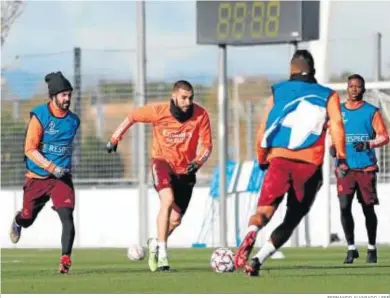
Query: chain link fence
(105,101)
(107,97)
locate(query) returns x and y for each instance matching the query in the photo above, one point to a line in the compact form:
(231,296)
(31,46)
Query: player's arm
(262,152)
(337,132)
(382,136)
(332,148)
(336,125)
(31,147)
(205,139)
(145,114)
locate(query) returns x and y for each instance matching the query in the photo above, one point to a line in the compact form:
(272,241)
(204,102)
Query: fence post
(77,107)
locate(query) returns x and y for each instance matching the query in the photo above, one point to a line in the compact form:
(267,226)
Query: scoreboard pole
(295,235)
(222,141)
(319,49)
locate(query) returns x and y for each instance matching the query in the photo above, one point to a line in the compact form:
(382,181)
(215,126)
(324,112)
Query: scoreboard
(256,22)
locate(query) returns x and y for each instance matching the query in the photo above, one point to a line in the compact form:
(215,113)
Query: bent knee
(25,222)
(345,202)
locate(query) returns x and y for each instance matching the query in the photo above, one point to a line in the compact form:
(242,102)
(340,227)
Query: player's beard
(357,97)
(179,114)
(62,106)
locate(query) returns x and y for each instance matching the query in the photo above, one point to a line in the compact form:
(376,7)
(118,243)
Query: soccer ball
(222,260)
(136,252)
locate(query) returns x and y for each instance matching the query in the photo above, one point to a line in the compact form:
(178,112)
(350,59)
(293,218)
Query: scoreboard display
(256,22)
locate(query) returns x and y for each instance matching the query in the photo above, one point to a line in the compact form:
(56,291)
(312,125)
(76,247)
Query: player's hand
(361,146)
(263,166)
(342,168)
(111,147)
(60,172)
(332,151)
(192,168)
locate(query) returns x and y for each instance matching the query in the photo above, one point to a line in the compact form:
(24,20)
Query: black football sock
(68,230)
(347,218)
(371,223)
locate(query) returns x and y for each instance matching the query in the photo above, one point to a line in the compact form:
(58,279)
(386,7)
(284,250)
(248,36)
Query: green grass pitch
(304,270)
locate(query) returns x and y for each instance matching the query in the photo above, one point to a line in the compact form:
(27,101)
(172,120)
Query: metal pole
(141,94)
(295,46)
(295,235)
(327,192)
(15,109)
(99,116)
(236,130)
(236,116)
(249,129)
(377,57)
(77,107)
(134,142)
(222,142)
(377,76)
(322,75)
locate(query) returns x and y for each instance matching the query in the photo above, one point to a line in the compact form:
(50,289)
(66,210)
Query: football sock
(371,223)
(252,228)
(162,249)
(348,227)
(265,252)
(68,230)
(347,218)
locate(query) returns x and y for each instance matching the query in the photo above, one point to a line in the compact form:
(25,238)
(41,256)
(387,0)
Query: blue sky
(58,26)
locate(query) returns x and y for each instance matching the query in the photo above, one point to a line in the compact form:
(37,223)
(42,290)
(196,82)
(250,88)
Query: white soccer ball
(222,260)
(136,252)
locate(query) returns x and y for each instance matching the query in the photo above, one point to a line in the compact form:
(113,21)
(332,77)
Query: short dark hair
(358,77)
(182,84)
(303,60)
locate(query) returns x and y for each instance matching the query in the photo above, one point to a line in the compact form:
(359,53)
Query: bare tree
(10,11)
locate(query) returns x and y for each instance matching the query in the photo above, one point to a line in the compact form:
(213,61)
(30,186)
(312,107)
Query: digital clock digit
(260,18)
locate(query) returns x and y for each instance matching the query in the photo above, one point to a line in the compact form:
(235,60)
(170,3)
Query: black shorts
(181,185)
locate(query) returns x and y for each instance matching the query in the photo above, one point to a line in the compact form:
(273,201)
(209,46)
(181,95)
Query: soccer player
(290,144)
(48,157)
(365,130)
(178,126)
